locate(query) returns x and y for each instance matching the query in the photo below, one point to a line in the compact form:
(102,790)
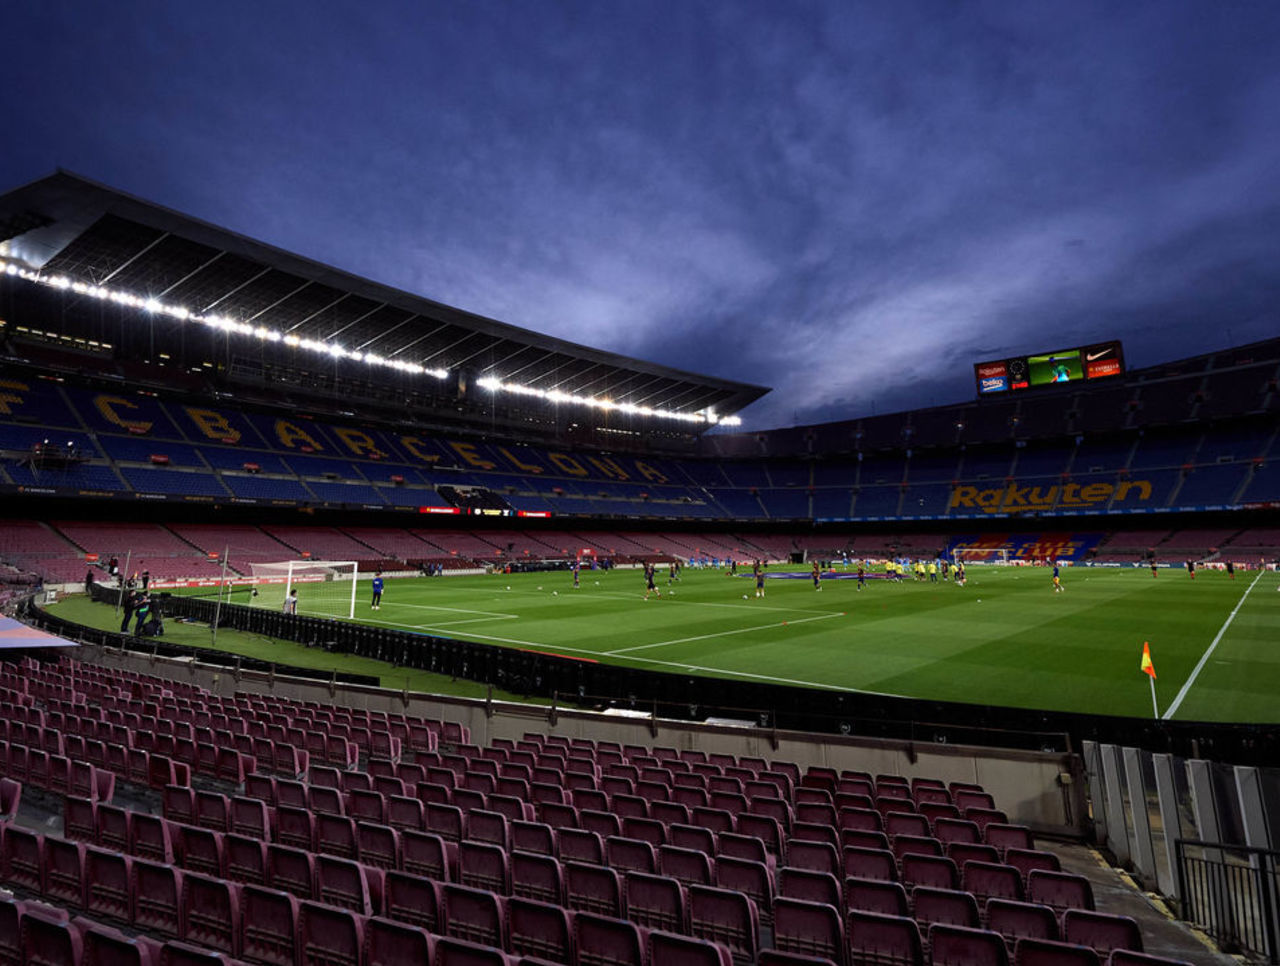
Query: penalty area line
(1204,658)
(707,637)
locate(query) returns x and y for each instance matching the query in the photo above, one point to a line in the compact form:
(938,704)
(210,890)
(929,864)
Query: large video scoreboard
(1099,361)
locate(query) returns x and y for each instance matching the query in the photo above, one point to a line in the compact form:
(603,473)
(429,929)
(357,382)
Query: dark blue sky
(850,202)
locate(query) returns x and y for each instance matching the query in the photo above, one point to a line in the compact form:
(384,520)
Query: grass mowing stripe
(1204,658)
(707,637)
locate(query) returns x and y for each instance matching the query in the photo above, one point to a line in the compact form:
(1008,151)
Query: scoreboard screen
(1050,368)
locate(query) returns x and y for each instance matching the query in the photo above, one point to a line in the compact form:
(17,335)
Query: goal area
(981,555)
(326,588)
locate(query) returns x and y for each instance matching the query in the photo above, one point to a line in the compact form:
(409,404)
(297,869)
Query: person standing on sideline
(141,614)
(377,591)
(127,604)
(291,602)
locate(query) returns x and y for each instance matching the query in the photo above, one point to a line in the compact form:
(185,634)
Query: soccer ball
(744,596)
(555,593)
(539,588)
(508,586)
(255,592)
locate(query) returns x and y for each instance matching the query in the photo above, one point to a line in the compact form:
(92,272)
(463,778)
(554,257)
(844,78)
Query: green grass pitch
(1006,638)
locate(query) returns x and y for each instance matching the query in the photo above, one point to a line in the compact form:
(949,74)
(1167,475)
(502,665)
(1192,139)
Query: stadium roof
(65,225)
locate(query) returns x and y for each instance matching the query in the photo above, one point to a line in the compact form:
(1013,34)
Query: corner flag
(1147,666)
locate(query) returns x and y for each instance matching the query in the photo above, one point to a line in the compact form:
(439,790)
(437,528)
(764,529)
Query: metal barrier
(1229,891)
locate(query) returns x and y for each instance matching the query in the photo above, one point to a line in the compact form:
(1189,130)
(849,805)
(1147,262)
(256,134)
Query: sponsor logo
(1015,498)
(1091,356)
(1105,367)
(991,369)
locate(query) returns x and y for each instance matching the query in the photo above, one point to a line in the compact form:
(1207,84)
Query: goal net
(981,555)
(326,588)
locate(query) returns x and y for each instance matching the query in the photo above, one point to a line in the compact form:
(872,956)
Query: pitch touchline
(1204,658)
(704,637)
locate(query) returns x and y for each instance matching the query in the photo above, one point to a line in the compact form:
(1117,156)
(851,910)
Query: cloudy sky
(850,202)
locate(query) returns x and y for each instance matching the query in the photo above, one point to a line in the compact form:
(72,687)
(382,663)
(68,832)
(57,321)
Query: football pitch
(1006,638)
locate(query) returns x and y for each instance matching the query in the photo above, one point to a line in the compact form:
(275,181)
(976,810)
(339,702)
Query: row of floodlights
(335,351)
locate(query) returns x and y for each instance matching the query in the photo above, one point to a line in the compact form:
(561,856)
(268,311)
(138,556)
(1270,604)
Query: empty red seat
(157,898)
(536,876)
(1042,952)
(626,854)
(1101,931)
(988,880)
(475,915)
(245,859)
(328,936)
(268,926)
(592,888)
(114,827)
(211,913)
(540,930)
(607,941)
(46,941)
(104,946)
(808,928)
(202,850)
(727,917)
(389,943)
(291,870)
(64,880)
(107,885)
(483,865)
(875,895)
(930,870)
(1021,920)
(23,858)
(425,853)
(948,907)
(79,819)
(655,901)
(675,950)
(347,884)
(250,817)
(962,946)
(1059,890)
(883,940)
(1004,836)
(752,879)
(869,863)
(379,845)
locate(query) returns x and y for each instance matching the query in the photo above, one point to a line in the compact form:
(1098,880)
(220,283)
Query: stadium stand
(214,873)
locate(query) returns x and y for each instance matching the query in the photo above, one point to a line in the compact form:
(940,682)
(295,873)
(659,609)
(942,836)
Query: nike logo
(1093,356)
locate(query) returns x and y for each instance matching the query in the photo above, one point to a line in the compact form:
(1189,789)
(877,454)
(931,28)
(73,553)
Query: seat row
(57,774)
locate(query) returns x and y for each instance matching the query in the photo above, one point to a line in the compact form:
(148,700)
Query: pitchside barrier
(591,684)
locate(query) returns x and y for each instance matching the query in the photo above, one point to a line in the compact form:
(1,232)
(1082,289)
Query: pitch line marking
(1204,658)
(705,637)
(460,610)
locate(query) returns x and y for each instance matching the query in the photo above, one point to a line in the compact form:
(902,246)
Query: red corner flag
(1147,666)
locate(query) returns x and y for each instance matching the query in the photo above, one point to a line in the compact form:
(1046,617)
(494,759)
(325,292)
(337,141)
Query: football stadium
(348,628)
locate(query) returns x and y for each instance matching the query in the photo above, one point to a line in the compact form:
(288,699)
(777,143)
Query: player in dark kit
(759,572)
(1057,580)
(817,576)
(577,576)
(862,577)
(1231,569)
(648,582)
(1191,569)
(377,592)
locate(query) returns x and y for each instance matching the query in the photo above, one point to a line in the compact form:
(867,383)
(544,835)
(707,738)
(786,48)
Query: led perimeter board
(1085,364)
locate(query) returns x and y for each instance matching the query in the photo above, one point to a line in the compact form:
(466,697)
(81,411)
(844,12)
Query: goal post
(326,588)
(981,555)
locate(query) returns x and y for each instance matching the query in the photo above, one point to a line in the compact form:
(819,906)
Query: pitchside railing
(1229,891)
